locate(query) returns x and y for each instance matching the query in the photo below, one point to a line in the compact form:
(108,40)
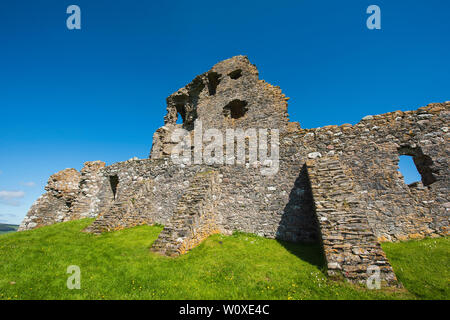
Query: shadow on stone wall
(298,221)
(298,230)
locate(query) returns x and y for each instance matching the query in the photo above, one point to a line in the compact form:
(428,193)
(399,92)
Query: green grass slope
(119,265)
(6,228)
(423,266)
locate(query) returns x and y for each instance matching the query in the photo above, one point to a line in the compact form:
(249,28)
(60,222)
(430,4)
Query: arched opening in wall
(408,169)
(235,109)
(422,163)
(181,113)
(114,182)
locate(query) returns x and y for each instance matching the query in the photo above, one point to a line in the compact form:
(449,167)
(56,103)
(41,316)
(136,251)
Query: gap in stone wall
(181,114)
(114,182)
(422,163)
(408,170)
(213,82)
(235,109)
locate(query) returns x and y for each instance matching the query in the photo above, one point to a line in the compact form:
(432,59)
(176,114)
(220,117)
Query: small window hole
(235,109)
(236,74)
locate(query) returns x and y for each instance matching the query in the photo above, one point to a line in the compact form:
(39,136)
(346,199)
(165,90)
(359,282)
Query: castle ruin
(336,185)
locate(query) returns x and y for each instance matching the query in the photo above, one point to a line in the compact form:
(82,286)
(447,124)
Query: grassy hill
(5,228)
(119,265)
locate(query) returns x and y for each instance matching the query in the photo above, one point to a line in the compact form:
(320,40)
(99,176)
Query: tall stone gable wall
(358,162)
(215,98)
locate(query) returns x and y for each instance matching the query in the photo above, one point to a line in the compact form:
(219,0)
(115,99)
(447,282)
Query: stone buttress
(195,217)
(349,244)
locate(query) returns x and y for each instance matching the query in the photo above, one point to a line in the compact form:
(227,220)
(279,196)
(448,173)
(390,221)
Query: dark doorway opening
(114,182)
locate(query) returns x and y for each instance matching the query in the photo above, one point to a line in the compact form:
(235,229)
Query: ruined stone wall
(271,207)
(280,206)
(89,186)
(195,217)
(230,95)
(139,191)
(353,168)
(274,207)
(371,149)
(349,243)
(55,205)
(70,195)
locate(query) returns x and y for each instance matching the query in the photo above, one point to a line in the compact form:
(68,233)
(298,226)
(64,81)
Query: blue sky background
(69,96)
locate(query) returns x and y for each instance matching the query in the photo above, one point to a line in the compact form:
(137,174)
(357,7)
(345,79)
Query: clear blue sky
(69,96)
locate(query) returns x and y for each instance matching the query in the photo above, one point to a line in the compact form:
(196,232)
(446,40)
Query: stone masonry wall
(134,209)
(55,205)
(286,205)
(70,195)
(139,191)
(349,243)
(195,217)
(89,186)
(271,207)
(230,95)
(371,149)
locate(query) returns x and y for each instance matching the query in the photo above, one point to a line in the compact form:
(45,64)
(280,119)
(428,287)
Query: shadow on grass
(308,252)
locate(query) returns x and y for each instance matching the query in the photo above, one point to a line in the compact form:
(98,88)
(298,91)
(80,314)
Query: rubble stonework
(349,243)
(230,95)
(56,204)
(88,189)
(338,185)
(70,195)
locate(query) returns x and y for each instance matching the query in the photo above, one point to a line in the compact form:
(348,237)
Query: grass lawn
(423,266)
(119,265)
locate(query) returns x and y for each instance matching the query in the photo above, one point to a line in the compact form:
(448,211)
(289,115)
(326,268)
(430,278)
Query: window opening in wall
(213,82)
(408,169)
(181,114)
(236,74)
(422,164)
(235,109)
